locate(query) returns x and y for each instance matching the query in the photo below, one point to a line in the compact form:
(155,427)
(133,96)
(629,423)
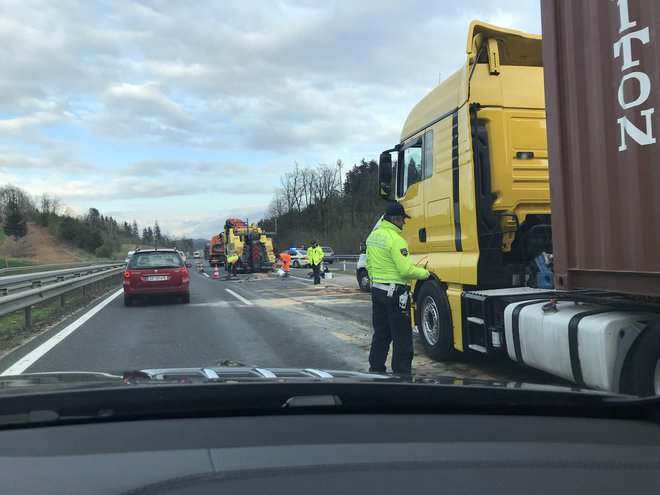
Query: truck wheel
(128,300)
(363,280)
(296,264)
(641,374)
(434,322)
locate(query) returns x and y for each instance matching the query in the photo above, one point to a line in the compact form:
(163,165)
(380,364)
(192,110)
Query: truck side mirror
(385,175)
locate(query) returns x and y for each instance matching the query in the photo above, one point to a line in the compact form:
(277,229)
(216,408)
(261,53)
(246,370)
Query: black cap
(396,210)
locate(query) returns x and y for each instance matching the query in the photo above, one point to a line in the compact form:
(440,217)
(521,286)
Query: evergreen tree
(147,235)
(94,216)
(15,224)
(157,234)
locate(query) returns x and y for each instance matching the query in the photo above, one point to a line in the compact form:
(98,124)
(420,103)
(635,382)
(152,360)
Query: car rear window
(326,249)
(155,260)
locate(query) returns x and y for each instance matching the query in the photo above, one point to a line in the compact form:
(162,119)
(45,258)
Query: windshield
(205,138)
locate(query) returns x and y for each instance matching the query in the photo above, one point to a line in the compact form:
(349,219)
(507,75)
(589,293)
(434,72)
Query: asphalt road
(258,320)
(263,321)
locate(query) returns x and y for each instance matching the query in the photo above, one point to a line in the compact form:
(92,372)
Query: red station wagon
(156,272)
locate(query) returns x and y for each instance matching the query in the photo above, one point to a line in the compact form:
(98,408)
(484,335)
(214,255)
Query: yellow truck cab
(471,170)
(251,243)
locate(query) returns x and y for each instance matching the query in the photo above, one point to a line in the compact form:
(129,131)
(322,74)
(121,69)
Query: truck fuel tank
(578,342)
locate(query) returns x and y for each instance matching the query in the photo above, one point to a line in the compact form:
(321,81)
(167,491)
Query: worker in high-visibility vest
(234,262)
(285,259)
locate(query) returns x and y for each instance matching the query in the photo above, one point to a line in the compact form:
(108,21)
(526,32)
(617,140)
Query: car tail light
(184,271)
(127,275)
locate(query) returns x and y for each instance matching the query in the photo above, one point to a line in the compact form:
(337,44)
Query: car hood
(234,372)
(229,388)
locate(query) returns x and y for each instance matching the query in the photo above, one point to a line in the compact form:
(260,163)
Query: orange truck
(217,250)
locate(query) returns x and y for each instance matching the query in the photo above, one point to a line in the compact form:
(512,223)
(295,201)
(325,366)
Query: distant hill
(198,244)
(41,246)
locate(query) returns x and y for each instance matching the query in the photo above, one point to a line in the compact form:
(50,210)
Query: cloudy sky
(189,112)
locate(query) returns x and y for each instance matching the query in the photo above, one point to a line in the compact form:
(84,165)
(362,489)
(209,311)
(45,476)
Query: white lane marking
(240,298)
(299,278)
(215,304)
(206,274)
(29,359)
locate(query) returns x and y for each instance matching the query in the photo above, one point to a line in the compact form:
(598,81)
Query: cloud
(55,161)
(174,73)
(112,101)
(207,227)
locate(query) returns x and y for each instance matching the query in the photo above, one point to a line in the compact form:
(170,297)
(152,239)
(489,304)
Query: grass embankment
(124,249)
(13,331)
(12,262)
(16,262)
(41,312)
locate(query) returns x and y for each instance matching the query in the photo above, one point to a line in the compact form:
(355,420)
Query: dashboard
(335,453)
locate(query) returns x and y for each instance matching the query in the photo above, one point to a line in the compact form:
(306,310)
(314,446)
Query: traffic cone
(215,272)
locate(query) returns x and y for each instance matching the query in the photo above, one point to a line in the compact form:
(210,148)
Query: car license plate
(156,278)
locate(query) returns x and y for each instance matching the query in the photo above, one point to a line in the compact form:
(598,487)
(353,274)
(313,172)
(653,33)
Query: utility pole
(340,164)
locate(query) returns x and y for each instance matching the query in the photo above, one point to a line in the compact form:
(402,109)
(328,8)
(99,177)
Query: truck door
(410,191)
(440,147)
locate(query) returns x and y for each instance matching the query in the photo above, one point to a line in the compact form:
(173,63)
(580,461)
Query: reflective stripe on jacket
(315,255)
(387,257)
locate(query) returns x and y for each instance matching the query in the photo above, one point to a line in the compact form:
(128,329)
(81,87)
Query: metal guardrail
(23,294)
(343,258)
(17,282)
(38,268)
(347,257)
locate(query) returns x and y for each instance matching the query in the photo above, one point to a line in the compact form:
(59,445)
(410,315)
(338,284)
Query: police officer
(315,256)
(390,271)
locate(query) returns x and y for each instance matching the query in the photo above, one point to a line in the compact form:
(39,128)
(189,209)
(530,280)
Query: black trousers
(391,325)
(237,265)
(317,274)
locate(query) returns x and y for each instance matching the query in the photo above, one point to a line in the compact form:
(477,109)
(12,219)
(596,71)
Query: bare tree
(19,198)
(308,178)
(277,207)
(46,204)
(334,212)
(286,193)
